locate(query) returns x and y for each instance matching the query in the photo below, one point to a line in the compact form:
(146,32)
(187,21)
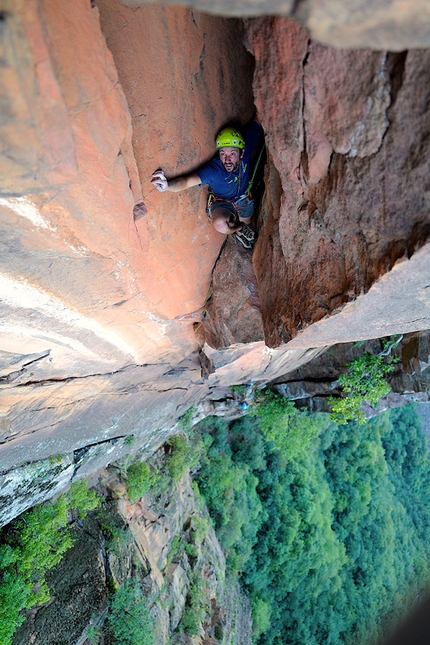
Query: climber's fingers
(159,180)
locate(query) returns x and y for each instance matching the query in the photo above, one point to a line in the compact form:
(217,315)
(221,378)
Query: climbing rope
(251,181)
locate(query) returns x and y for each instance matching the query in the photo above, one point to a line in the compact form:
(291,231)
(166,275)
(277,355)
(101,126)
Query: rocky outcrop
(378,24)
(312,384)
(152,541)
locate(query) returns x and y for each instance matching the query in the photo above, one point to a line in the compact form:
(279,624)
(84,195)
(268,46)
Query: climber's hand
(159,181)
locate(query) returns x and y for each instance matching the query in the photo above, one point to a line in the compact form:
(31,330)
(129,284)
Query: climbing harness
(242,202)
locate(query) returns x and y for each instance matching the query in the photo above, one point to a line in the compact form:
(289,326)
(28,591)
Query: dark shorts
(243,208)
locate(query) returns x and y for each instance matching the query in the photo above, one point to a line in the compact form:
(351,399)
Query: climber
(230,205)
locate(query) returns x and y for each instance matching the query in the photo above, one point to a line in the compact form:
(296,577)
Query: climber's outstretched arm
(174,185)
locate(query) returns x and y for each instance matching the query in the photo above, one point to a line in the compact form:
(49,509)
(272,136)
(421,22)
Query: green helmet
(229,138)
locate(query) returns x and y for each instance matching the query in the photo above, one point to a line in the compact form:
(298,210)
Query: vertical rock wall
(347,130)
(184,74)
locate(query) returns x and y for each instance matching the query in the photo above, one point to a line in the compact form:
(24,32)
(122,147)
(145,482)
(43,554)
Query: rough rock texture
(101,292)
(79,593)
(347,131)
(145,541)
(178,69)
(312,384)
(32,484)
(380,24)
(232,313)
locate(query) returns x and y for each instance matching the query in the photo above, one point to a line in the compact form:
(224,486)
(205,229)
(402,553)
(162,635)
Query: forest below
(327,526)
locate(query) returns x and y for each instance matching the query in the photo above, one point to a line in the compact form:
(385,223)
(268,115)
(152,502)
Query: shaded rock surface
(232,313)
(312,384)
(78,593)
(352,163)
(379,24)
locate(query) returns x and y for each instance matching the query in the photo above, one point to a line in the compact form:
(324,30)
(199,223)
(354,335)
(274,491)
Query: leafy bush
(30,546)
(290,430)
(183,455)
(129,619)
(186,420)
(364,381)
(260,617)
(138,481)
(175,550)
(81,499)
(196,608)
(94,634)
(200,527)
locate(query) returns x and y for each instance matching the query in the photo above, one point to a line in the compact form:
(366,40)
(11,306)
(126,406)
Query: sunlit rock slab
(399,302)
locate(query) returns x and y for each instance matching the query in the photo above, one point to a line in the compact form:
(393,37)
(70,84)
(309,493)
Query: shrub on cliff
(129,619)
(30,546)
(291,431)
(364,381)
(138,481)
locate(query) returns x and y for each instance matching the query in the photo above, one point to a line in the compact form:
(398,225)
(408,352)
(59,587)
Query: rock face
(232,313)
(102,278)
(178,69)
(347,134)
(380,24)
(164,541)
(312,384)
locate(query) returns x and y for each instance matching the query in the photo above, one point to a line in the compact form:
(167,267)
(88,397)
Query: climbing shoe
(248,233)
(242,239)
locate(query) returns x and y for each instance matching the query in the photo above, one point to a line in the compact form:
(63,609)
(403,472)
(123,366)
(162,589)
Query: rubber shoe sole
(243,241)
(248,233)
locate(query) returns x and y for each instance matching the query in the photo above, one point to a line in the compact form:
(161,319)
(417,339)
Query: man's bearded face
(230,158)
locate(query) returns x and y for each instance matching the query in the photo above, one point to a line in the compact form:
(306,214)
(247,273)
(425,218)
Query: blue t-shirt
(230,185)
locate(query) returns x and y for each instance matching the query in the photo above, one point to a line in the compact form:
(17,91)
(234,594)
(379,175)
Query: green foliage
(185,421)
(340,544)
(115,531)
(290,430)
(81,499)
(129,619)
(94,634)
(364,381)
(55,459)
(199,529)
(30,546)
(196,609)
(229,489)
(175,550)
(138,481)
(182,456)
(191,550)
(260,617)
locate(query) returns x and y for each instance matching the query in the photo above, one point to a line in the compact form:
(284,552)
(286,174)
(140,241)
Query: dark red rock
(348,139)
(233,311)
